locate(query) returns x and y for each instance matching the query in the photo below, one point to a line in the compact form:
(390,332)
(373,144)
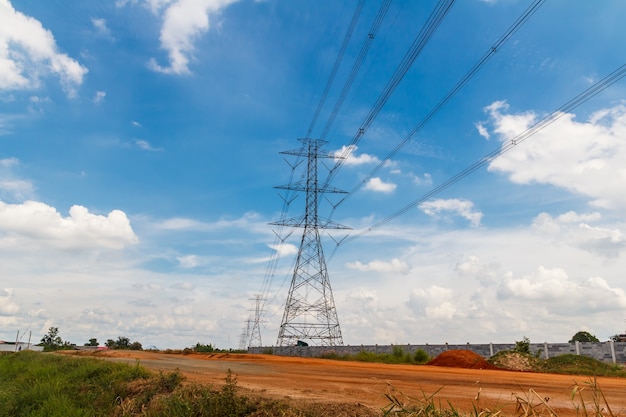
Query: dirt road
(367,383)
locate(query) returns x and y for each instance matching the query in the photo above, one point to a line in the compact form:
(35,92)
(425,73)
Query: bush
(522,346)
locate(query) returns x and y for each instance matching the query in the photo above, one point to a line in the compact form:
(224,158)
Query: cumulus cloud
(351,158)
(376,184)
(553,285)
(460,207)
(576,230)
(34,224)
(395,265)
(28,51)
(433,302)
(184,21)
(587,157)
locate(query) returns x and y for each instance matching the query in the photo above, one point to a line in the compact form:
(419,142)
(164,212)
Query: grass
(397,356)
(36,384)
(580,365)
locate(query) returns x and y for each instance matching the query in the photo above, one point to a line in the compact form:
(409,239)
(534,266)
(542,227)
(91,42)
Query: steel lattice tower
(310,314)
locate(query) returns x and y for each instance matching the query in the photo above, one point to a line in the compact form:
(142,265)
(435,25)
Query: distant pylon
(255,332)
(310,315)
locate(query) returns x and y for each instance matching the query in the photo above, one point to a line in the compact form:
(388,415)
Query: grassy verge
(580,365)
(48,385)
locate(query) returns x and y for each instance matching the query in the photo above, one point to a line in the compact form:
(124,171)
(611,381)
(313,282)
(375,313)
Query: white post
(490,349)
(577,344)
(545,350)
(612,345)
(16,339)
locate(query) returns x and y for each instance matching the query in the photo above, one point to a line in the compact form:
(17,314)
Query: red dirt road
(367,383)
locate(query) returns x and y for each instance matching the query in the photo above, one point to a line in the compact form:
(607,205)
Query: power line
(523,18)
(431,25)
(333,73)
(586,95)
(369,39)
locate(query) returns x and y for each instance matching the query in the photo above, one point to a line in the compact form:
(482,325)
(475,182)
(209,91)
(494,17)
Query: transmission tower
(310,315)
(255,333)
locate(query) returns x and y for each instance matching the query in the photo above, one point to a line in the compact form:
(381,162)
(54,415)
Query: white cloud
(395,266)
(575,228)
(184,21)
(376,184)
(28,51)
(247,221)
(188,261)
(463,208)
(7,305)
(587,158)
(349,153)
(425,179)
(12,187)
(434,302)
(32,225)
(101,26)
(482,130)
(99,96)
(146,146)
(285,249)
(551,284)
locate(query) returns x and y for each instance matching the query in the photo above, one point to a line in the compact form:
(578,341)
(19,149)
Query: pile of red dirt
(461,359)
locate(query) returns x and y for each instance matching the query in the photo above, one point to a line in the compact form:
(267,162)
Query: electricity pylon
(310,315)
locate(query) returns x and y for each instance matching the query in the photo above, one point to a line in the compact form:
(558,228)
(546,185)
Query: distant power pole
(255,332)
(251,335)
(310,315)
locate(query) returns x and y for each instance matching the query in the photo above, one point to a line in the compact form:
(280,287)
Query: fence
(611,352)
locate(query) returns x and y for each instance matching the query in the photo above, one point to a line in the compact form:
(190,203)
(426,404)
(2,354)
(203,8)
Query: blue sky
(139,148)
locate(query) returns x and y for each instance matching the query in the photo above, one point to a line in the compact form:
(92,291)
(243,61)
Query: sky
(140,146)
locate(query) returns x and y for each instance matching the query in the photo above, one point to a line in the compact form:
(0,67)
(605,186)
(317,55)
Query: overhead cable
(592,91)
(433,22)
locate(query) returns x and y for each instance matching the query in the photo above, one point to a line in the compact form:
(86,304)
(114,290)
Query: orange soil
(366,384)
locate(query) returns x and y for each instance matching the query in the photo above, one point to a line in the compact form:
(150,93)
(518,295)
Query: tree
(92,342)
(52,341)
(522,346)
(583,337)
(123,343)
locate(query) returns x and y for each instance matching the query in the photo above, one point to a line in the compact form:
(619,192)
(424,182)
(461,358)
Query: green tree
(522,346)
(122,342)
(583,337)
(52,340)
(92,342)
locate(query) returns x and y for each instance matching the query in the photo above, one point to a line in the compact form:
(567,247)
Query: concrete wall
(12,347)
(611,352)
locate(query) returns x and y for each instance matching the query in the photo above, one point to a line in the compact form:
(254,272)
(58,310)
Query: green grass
(580,365)
(398,356)
(50,385)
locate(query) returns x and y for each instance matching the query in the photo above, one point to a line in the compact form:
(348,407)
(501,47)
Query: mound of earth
(461,359)
(515,361)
